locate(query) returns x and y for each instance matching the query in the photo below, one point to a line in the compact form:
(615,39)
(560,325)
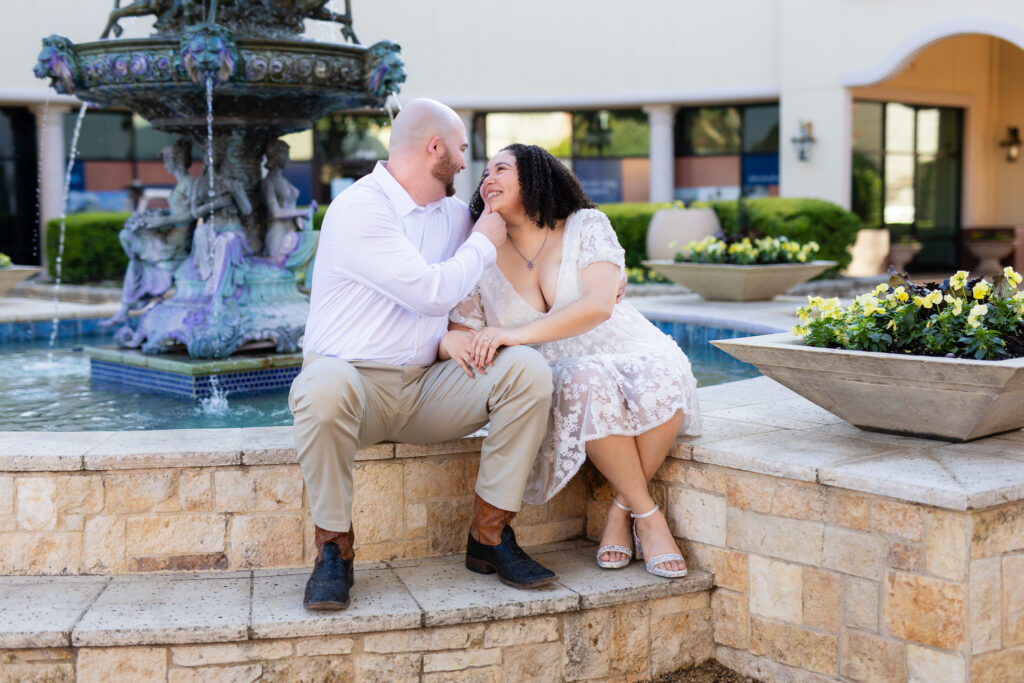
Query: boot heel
(474,564)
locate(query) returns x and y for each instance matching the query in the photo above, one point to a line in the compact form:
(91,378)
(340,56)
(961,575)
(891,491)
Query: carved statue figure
(58,61)
(289,238)
(208,50)
(386,71)
(171,14)
(158,240)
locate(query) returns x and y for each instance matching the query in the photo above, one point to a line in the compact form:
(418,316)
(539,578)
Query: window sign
(601,180)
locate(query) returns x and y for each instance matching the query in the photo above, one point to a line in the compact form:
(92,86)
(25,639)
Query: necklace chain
(529,261)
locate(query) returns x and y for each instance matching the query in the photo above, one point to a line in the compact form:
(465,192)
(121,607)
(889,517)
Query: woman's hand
(458,345)
(487,341)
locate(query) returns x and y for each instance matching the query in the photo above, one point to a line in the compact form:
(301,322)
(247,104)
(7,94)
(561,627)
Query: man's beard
(445,171)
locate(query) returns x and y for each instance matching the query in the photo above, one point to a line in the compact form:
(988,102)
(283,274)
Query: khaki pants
(340,406)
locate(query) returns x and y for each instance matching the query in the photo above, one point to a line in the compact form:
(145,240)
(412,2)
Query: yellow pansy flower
(981,290)
(956,302)
(977,311)
(1012,276)
(959,279)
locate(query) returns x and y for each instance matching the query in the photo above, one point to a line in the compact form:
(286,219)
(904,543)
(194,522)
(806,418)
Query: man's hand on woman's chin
(492,226)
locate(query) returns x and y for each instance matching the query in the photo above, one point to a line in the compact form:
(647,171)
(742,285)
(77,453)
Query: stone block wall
(412,501)
(817,583)
(629,642)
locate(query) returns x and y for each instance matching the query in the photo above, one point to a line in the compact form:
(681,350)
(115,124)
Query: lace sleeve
(469,311)
(598,241)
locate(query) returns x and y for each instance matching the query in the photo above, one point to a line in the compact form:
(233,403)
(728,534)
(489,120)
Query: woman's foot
(655,542)
(616,533)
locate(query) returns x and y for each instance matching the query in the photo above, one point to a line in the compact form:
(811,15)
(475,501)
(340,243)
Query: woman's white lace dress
(623,377)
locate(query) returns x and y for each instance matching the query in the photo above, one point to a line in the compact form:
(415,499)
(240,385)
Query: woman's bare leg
(618,459)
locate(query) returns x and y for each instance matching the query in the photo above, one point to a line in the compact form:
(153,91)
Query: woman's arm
(599,285)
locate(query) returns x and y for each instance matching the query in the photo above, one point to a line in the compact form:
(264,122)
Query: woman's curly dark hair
(549,190)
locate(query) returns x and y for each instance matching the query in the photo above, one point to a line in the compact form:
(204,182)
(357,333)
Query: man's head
(428,145)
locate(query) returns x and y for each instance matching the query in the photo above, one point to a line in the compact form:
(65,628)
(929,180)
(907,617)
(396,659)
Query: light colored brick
(679,604)
(925,610)
(998,530)
(537,663)
(196,490)
(986,587)
(799,501)
(229,653)
(729,566)
(448,525)
(431,478)
(854,552)
(82,493)
(794,646)
(40,553)
(37,504)
(707,479)
(925,665)
(456,660)
(175,534)
(587,638)
(332,668)
(569,501)
(630,639)
(897,519)
(752,493)
(681,641)
(730,618)
(697,515)
(101,665)
(1003,666)
(257,489)
(849,510)
(1013,600)
(908,557)
(222,674)
(860,600)
(787,539)
(822,599)
(521,631)
(265,541)
(378,507)
(6,495)
(490,674)
(324,645)
(441,638)
(776,589)
(74,522)
(539,534)
(415,520)
(946,545)
(388,668)
(104,545)
(870,658)
(156,491)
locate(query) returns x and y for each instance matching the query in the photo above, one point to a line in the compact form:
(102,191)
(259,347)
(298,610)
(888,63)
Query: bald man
(397,251)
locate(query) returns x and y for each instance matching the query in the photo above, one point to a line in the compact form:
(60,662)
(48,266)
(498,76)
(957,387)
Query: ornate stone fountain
(217,270)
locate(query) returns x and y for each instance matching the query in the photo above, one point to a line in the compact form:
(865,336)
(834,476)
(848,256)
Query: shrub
(92,251)
(630,221)
(801,220)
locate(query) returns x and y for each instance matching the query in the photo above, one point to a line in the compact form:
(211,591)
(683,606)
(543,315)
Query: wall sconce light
(803,142)
(1012,143)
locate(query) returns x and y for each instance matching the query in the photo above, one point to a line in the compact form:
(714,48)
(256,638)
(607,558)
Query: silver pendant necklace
(529,261)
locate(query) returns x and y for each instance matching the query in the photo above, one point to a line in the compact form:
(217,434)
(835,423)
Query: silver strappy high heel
(628,552)
(652,563)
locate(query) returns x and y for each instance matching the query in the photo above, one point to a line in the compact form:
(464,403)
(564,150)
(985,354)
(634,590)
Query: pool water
(50,390)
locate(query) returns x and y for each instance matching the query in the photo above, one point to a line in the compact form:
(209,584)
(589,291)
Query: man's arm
(377,254)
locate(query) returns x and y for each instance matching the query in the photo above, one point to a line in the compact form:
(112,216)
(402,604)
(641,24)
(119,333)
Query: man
(396,253)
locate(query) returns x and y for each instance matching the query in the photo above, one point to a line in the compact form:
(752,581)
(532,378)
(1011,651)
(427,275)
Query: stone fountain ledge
(429,621)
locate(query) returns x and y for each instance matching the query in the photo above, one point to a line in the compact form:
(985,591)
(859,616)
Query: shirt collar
(400,199)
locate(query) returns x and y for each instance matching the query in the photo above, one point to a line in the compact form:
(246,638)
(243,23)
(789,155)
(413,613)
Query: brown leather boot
(488,522)
(491,547)
(332,578)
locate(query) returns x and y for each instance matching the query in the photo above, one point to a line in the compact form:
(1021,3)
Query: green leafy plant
(958,318)
(92,250)
(745,252)
(5,261)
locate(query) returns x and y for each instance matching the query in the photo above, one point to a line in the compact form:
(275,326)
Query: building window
(347,147)
(906,175)
(727,151)
(19,226)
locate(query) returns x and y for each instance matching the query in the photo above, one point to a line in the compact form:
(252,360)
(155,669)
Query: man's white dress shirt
(387,272)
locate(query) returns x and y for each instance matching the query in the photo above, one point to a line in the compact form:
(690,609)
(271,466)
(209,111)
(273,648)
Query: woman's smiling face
(500,186)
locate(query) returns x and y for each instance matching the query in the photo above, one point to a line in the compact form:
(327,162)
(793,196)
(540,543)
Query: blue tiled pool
(51,390)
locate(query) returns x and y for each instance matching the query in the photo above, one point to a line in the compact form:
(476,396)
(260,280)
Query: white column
(662,118)
(465,181)
(50,146)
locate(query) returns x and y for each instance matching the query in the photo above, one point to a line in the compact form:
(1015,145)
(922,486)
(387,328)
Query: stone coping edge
(392,602)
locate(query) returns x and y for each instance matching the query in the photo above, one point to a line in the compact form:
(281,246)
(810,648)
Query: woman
(623,389)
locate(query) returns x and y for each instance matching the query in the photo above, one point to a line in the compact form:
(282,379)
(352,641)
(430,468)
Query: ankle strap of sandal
(646,514)
(621,506)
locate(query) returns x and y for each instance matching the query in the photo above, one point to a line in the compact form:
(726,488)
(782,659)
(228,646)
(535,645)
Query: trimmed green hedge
(803,220)
(630,220)
(92,252)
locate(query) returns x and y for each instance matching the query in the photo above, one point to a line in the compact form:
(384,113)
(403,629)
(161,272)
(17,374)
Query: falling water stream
(59,263)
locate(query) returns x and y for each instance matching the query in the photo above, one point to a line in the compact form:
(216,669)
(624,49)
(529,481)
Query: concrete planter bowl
(729,282)
(12,275)
(941,398)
